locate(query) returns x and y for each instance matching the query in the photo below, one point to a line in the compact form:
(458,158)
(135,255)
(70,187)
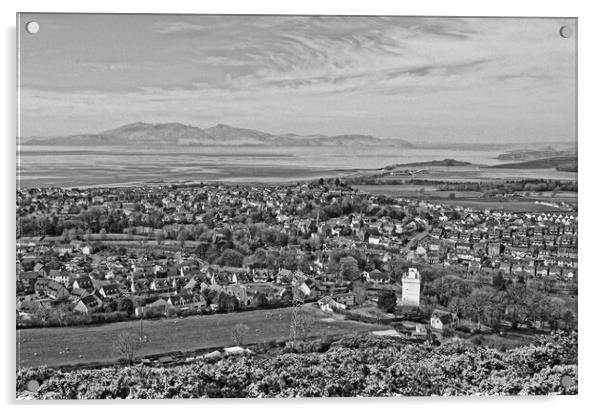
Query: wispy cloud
(375,75)
(103,66)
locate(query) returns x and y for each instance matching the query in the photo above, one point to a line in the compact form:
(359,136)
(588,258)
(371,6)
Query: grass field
(67,345)
(469,199)
(474,173)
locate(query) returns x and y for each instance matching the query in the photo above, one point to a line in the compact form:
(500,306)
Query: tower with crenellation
(410,288)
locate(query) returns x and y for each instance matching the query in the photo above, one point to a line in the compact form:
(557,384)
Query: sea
(65,166)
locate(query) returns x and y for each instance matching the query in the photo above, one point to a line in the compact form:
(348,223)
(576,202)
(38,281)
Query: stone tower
(410,286)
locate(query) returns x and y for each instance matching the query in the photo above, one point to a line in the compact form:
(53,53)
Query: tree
(126,345)
(125,304)
(183,235)
(110,306)
(287,296)
(238,333)
(61,313)
(359,290)
(211,296)
(231,258)
(447,287)
(227,302)
(518,300)
(387,301)
(499,283)
(398,266)
(550,310)
(288,259)
(65,236)
(260,299)
(568,319)
(203,249)
(479,304)
(349,269)
(300,321)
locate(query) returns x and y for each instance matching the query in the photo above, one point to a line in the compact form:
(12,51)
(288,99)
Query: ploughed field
(71,345)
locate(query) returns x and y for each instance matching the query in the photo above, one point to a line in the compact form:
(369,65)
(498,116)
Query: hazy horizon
(485,80)
(416,143)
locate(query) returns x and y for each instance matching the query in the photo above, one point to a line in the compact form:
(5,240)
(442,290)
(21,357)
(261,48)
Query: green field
(475,173)
(69,345)
(470,199)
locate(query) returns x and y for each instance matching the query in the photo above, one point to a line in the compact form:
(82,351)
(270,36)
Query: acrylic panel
(295,206)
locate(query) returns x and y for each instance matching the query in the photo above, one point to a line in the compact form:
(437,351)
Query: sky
(416,78)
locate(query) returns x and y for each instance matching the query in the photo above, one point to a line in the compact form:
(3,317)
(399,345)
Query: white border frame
(589,194)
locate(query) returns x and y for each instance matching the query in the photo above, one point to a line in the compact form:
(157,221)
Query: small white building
(328,303)
(441,320)
(373,240)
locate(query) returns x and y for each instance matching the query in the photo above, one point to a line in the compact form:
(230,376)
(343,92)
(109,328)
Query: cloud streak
(385,76)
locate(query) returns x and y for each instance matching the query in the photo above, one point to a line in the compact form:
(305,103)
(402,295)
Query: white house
(443,319)
(330,304)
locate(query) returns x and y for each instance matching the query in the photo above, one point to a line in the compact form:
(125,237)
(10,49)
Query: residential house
(62,277)
(83,283)
(110,291)
(328,303)
(347,299)
(51,288)
(378,277)
(160,307)
(441,320)
(88,304)
(188,302)
(161,285)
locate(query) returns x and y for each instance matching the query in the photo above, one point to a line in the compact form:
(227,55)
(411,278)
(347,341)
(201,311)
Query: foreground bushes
(352,366)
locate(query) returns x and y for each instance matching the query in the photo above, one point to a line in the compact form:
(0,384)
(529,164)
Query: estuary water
(66,166)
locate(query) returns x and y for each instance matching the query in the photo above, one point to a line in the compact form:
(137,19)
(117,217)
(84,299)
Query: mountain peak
(134,126)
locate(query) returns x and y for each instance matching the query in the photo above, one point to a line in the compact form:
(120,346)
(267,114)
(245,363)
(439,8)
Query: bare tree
(239,331)
(360,292)
(300,321)
(42,313)
(127,345)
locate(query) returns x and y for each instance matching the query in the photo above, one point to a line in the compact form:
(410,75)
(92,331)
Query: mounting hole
(566,31)
(567,382)
(32,386)
(32,27)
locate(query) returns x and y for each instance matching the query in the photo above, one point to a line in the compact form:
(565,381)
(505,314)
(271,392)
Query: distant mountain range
(157,134)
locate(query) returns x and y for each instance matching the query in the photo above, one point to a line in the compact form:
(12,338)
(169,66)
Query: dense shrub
(352,366)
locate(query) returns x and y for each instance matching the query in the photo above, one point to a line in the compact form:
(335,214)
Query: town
(112,254)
